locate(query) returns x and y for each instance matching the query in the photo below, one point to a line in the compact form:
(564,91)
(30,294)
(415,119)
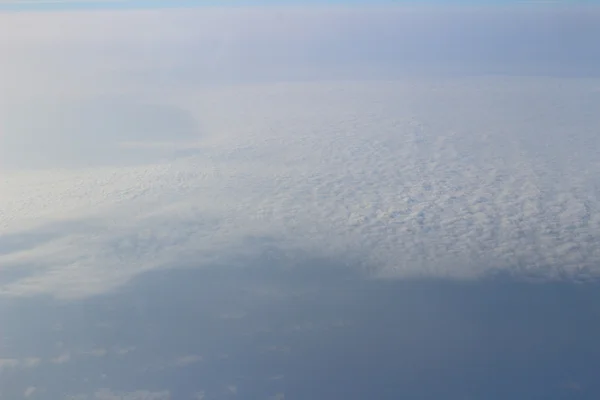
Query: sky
(28,5)
(299,201)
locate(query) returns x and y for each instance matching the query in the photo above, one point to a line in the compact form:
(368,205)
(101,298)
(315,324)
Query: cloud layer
(450,178)
(131,151)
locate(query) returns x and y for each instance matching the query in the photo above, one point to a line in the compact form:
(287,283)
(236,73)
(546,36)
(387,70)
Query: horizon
(90,5)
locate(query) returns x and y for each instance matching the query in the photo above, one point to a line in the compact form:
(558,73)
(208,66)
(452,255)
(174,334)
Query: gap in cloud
(305,322)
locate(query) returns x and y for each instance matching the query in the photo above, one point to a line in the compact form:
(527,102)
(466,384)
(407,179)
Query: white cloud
(19,363)
(95,352)
(184,361)
(450,177)
(29,391)
(61,359)
(386,175)
(31,362)
(200,395)
(121,351)
(232,389)
(9,363)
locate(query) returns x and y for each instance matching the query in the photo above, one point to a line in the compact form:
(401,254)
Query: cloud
(403,179)
(29,391)
(445,177)
(16,363)
(232,389)
(31,362)
(121,351)
(200,395)
(95,353)
(61,359)
(9,363)
(185,361)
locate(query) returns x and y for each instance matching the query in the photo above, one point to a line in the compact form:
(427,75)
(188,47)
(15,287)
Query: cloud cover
(431,176)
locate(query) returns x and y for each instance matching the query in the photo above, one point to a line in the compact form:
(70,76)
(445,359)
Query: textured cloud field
(135,149)
(457,178)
